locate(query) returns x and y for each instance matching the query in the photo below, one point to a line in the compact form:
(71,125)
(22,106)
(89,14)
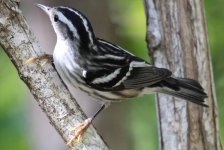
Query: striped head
(70,24)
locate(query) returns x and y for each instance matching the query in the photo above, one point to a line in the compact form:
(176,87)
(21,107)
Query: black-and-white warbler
(106,71)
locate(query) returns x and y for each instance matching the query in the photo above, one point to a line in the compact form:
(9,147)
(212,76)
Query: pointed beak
(43,7)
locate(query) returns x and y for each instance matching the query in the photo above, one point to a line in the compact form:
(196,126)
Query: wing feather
(145,76)
(125,78)
(119,70)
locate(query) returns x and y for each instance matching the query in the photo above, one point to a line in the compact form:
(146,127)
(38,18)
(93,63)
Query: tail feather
(191,84)
(187,89)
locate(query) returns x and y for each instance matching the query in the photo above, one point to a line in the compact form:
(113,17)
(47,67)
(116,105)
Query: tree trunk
(51,94)
(177,39)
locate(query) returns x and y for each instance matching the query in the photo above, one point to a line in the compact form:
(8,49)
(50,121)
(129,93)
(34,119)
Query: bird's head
(70,24)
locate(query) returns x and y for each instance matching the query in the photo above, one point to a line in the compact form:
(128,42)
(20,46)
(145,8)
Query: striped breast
(71,73)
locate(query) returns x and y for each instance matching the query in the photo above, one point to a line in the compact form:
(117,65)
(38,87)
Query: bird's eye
(55,18)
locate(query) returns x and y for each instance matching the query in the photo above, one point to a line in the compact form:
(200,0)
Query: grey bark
(44,83)
(177,39)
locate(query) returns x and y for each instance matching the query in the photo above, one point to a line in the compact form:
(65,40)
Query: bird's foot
(80,129)
(48,59)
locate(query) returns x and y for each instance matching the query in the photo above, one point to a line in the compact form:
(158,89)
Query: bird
(106,71)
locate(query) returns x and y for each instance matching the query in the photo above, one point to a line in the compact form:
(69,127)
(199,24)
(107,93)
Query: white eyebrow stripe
(69,23)
(85,23)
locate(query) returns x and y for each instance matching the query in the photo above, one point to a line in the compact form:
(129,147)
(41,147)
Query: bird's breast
(65,64)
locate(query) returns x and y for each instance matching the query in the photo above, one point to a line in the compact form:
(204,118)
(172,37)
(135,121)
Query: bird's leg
(81,127)
(48,57)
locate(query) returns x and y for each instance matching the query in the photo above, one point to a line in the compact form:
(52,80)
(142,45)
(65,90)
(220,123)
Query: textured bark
(177,39)
(45,85)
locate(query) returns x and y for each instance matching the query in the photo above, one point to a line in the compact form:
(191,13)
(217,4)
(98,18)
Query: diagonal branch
(44,83)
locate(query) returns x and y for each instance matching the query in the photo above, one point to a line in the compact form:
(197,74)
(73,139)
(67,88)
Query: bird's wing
(133,76)
(144,75)
(123,71)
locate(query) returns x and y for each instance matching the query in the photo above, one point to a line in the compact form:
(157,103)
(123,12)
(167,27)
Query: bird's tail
(187,89)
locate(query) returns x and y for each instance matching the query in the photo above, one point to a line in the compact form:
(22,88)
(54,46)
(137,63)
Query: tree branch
(184,49)
(44,83)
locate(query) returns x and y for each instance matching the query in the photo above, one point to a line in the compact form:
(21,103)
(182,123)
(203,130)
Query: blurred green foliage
(132,26)
(132,36)
(12,103)
(215,22)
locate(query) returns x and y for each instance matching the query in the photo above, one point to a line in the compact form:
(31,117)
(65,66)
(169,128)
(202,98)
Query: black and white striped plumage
(107,71)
